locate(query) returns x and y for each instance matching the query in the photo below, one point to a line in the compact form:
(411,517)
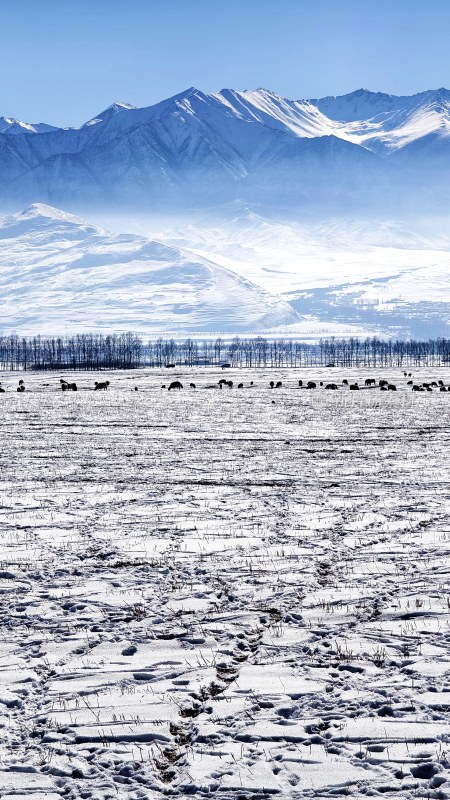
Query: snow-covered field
(235,593)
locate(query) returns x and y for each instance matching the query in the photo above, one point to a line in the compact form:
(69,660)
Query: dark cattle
(409,383)
(441,383)
(331,386)
(442,389)
(426,385)
(175,385)
(2,391)
(21,388)
(383,388)
(102,385)
(163,386)
(429,389)
(392,387)
(383,382)
(136,389)
(433,383)
(251,383)
(223,382)
(278,385)
(271,384)
(310,385)
(192,386)
(416,388)
(321,383)
(405,374)
(345,381)
(370,382)
(240,385)
(300,383)
(66,386)
(169,366)
(354,387)
(230,384)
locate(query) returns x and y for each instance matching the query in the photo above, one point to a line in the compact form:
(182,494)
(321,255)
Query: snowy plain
(224,593)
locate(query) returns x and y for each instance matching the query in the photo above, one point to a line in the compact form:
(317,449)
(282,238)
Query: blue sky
(63,61)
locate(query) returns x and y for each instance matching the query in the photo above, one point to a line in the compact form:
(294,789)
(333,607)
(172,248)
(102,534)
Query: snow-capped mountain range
(363,149)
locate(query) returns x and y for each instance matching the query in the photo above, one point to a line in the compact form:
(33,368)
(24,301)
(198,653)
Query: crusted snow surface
(57,271)
(234,593)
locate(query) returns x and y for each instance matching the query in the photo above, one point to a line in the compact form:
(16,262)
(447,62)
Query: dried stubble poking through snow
(210,594)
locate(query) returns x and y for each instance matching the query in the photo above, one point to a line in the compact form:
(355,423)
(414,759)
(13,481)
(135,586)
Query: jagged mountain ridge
(197,148)
(59,273)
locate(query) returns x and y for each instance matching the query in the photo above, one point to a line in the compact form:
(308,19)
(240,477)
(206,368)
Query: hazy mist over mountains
(232,211)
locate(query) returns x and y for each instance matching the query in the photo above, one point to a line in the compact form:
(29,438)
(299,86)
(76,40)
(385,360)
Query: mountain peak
(115,108)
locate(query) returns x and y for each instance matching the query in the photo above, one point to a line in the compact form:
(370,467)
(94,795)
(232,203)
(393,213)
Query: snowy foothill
(232,593)
(230,273)
(59,272)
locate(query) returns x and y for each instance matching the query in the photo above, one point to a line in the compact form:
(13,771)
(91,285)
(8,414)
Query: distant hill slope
(362,150)
(59,273)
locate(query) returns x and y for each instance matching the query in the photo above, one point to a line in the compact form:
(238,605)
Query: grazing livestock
(230,384)
(310,385)
(392,387)
(416,388)
(101,385)
(163,386)
(409,383)
(272,384)
(331,386)
(345,381)
(354,387)
(442,389)
(278,385)
(383,388)
(66,386)
(2,391)
(426,385)
(383,382)
(192,386)
(240,385)
(251,383)
(21,387)
(321,383)
(136,389)
(300,383)
(175,385)
(370,382)
(222,382)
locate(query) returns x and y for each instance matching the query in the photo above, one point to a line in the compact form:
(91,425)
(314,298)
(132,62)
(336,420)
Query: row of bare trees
(128,351)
